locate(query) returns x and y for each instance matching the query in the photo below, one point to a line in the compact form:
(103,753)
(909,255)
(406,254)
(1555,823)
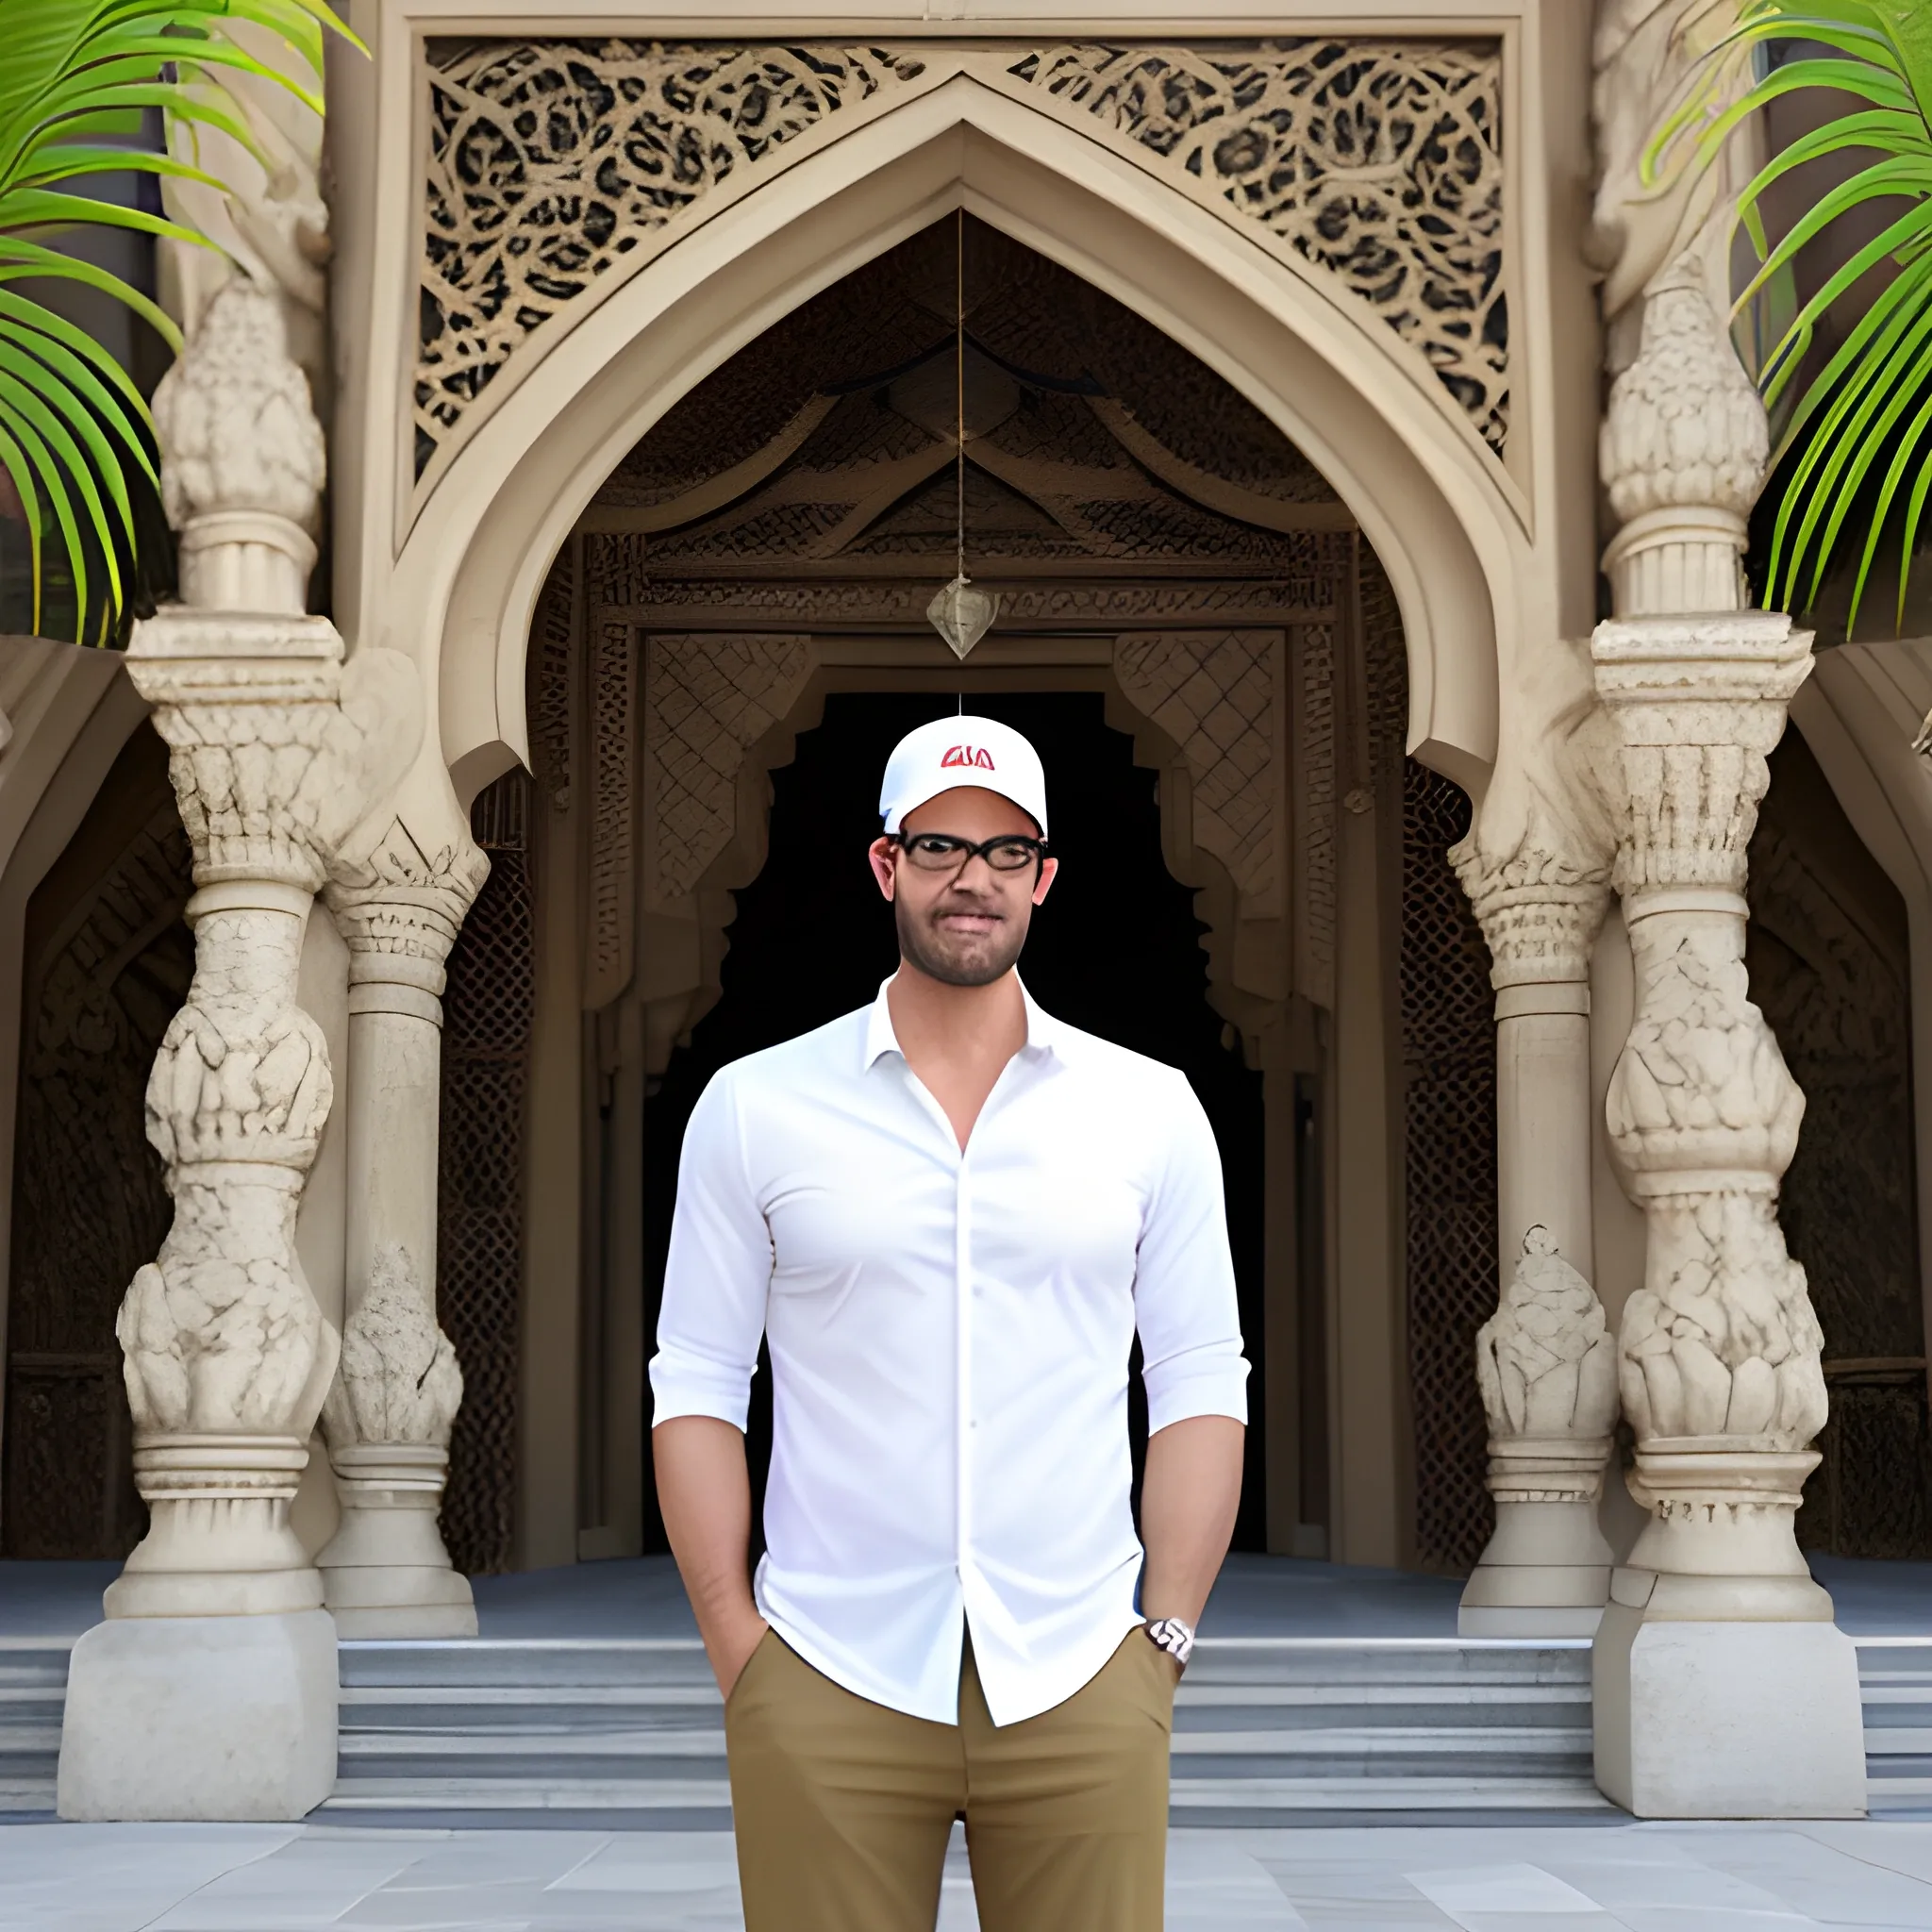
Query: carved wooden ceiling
(1097,449)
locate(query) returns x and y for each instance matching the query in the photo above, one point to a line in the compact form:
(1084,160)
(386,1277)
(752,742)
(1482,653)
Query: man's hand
(1187,1501)
(704,1490)
(730,1651)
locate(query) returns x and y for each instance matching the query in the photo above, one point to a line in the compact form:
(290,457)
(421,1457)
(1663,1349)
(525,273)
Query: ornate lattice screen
(1449,1065)
(1829,958)
(109,962)
(488,1010)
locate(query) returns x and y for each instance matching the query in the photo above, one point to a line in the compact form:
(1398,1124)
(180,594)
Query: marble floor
(1636,1878)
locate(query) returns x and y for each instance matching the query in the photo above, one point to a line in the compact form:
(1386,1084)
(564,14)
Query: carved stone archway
(1154,539)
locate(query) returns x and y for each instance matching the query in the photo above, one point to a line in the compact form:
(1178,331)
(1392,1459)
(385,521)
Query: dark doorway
(1116,951)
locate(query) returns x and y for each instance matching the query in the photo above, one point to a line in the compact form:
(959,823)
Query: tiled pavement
(1639,1878)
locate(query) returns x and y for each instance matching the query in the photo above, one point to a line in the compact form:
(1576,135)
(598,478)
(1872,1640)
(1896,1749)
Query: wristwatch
(1172,1636)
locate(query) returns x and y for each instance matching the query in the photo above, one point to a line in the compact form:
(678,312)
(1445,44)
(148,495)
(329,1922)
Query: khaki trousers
(843,1808)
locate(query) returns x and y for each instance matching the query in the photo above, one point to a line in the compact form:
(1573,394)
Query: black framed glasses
(941,852)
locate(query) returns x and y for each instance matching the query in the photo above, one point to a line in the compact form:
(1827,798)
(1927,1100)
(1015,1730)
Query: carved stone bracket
(275,749)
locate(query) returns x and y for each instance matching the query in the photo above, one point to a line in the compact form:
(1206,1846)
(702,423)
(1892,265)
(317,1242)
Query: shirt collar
(1043,1034)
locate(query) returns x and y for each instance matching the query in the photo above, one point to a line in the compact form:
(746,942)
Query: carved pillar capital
(1540,910)
(276,747)
(399,909)
(1693,705)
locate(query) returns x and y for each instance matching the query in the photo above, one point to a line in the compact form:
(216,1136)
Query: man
(948,1214)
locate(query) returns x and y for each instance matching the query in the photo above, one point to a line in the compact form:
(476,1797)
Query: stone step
(1266,1730)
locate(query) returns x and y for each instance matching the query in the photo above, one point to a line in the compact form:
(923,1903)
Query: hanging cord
(959,397)
(959,378)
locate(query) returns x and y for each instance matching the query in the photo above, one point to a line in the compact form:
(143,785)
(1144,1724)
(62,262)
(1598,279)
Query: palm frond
(75,432)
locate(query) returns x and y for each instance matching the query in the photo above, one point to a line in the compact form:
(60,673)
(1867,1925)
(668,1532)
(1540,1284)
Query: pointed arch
(1453,536)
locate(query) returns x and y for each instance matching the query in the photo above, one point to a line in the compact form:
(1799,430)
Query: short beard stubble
(925,947)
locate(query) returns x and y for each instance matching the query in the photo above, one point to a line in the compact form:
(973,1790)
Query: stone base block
(200,1718)
(1527,1619)
(1727,1720)
(401,1602)
(1545,1572)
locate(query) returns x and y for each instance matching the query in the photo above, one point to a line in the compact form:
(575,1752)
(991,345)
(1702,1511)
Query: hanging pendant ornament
(962,613)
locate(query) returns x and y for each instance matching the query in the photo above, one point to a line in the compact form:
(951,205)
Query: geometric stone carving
(1379,159)
(612,774)
(708,699)
(1213,693)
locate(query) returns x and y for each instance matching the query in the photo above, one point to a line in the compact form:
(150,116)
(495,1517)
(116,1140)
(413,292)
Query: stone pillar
(1545,1363)
(389,1413)
(1723,1687)
(210,1691)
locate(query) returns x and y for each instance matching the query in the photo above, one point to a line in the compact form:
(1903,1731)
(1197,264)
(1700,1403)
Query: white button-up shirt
(949,1334)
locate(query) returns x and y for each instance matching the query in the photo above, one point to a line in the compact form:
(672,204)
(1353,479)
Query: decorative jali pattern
(612,761)
(489,1008)
(1379,159)
(707,700)
(549,162)
(552,161)
(1449,1106)
(90,1201)
(550,684)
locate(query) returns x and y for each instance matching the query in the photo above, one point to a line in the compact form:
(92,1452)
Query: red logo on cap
(975,756)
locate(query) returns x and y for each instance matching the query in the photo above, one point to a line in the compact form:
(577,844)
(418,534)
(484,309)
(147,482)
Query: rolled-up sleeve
(716,1273)
(1184,1293)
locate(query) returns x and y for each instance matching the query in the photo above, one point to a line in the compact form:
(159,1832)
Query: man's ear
(1049,869)
(884,858)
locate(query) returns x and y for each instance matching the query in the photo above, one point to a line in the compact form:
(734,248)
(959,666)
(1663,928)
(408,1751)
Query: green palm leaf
(77,439)
(1857,448)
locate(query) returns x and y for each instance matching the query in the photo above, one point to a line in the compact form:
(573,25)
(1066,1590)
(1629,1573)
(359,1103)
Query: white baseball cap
(962,751)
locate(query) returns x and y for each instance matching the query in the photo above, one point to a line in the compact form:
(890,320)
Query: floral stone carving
(399,906)
(553,167)
(1544,1361)
(1380,159)
(275,751)
(551,160)
(243,462)
(1720,1350)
